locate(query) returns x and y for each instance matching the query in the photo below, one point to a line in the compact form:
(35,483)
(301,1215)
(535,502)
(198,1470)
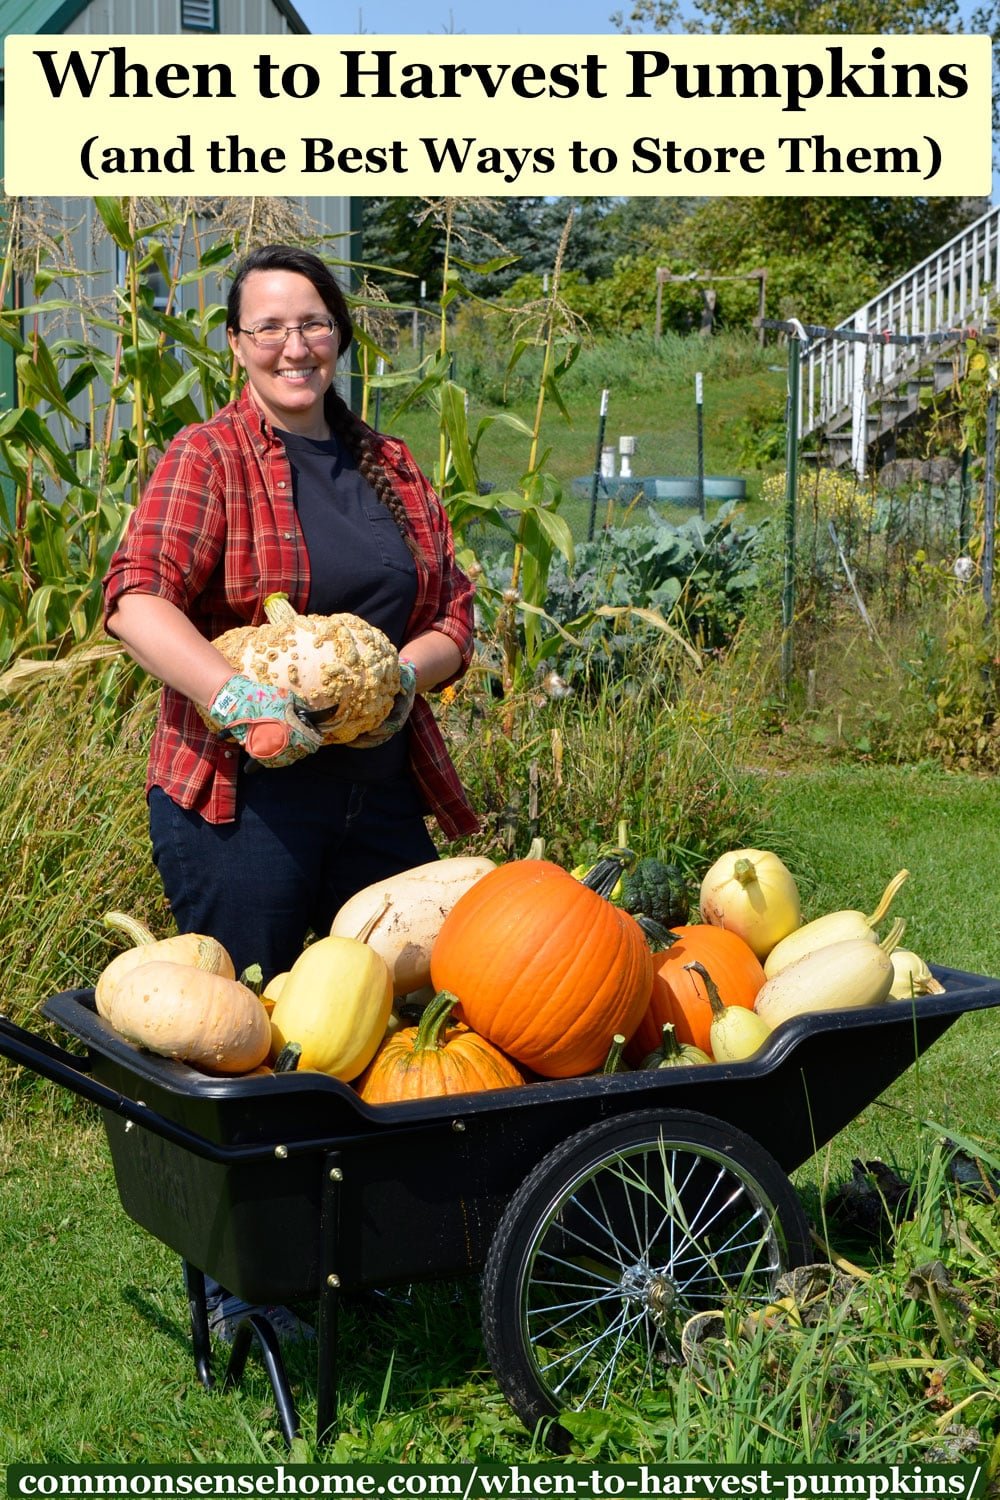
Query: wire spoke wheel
(614,1241)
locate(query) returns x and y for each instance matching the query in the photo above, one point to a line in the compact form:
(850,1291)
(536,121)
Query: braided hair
(344,424)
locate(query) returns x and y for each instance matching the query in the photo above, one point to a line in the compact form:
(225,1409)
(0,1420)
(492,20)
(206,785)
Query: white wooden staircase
(857,392)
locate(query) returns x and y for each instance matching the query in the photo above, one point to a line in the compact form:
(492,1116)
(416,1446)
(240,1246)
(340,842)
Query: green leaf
(456,427)
(181,387)
(558,533)
(485,267)
(552,390)
(114,216)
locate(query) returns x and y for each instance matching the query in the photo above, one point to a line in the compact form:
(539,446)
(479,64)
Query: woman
(286,490)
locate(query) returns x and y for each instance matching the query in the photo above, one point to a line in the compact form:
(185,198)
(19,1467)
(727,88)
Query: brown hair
(345,426)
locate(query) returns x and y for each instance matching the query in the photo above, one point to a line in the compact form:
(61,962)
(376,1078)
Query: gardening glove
(398,713)
(269,722)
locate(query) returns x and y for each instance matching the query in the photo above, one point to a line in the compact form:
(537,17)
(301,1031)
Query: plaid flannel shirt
(215,532)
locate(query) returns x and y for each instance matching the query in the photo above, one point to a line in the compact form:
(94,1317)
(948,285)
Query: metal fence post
(990,504)
(791,493)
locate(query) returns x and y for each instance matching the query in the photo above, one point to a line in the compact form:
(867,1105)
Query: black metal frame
(256,1325)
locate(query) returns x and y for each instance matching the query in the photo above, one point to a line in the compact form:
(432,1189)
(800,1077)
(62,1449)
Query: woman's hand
(398,713)
(269,722)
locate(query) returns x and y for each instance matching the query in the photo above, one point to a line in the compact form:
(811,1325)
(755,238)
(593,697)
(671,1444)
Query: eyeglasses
(273,335)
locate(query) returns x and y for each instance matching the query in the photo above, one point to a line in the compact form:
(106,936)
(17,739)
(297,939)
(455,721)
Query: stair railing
(949,290)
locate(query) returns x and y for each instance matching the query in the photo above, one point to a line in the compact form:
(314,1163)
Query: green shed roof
(40,17)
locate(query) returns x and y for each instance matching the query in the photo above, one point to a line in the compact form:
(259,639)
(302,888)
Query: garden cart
(603,1212)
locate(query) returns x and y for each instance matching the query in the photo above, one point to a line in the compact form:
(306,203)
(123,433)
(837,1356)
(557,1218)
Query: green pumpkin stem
(715,1000)
(287,1060)
(609,868)
(433,1021)
(253,978)
(669,1045)
(658,937)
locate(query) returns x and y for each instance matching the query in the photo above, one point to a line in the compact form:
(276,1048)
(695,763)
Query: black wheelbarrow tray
(603,1212)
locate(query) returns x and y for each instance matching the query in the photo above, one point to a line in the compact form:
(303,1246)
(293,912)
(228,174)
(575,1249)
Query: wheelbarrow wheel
(614,1241)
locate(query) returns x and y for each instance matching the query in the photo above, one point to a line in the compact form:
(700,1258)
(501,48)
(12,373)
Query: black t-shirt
(359,564)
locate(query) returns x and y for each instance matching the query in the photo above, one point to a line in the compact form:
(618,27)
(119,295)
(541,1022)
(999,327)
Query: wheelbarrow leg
(261,1327)
(329,1301)
(194,1285)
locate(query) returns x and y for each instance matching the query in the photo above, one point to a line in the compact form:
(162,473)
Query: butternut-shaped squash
(841,976)
(404,913)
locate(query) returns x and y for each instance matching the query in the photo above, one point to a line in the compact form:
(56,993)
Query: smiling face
(288,383)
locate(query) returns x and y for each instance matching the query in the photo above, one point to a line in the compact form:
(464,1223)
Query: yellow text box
(656,115)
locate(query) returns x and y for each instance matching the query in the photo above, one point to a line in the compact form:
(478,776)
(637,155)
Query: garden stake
(595,480)
(700,416)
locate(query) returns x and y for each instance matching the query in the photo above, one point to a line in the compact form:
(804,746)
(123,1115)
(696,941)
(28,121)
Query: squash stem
(211,956)
(887,898)
(669,1046)
(612,1063)
(432,1022)
(715,1000)
(253,978)
(278,609)
(287,1060)
(605,874)
(658,937)
(131,926)
(745,871)
(894,936)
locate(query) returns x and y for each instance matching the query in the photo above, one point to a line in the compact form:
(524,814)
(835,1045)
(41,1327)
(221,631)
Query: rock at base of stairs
(902,473)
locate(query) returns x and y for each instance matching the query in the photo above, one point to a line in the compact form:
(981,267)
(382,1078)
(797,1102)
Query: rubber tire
(709,1144)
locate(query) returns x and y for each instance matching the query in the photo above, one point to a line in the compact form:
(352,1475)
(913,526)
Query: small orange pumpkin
(424,1061)
(544,967)
(679,995)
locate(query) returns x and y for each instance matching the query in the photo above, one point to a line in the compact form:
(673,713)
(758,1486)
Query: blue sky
(434,16)
(582,17)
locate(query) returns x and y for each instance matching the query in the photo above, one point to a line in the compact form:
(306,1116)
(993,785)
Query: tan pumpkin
(403,914)
(192,948)
(190,1014)
(337,664)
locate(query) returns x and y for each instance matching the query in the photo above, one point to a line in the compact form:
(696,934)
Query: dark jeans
(302,843)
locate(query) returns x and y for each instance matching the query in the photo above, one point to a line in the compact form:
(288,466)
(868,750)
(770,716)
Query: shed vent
(199,15)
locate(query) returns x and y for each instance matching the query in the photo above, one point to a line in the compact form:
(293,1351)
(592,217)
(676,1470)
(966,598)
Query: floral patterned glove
(398,713)
(267,721)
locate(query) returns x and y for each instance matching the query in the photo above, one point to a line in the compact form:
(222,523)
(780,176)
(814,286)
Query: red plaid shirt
(215,532)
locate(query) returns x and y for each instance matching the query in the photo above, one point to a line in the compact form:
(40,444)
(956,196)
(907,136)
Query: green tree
(838,17)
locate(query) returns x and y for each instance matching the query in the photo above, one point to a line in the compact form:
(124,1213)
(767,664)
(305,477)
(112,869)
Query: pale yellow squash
(751,892)
(840,976)
(834,927)
(335,1004)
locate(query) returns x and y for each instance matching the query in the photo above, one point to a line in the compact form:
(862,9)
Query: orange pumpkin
(544,967)
(421,1062)
(679,995)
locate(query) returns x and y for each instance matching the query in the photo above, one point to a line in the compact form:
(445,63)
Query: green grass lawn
(851,829)
(651,398)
